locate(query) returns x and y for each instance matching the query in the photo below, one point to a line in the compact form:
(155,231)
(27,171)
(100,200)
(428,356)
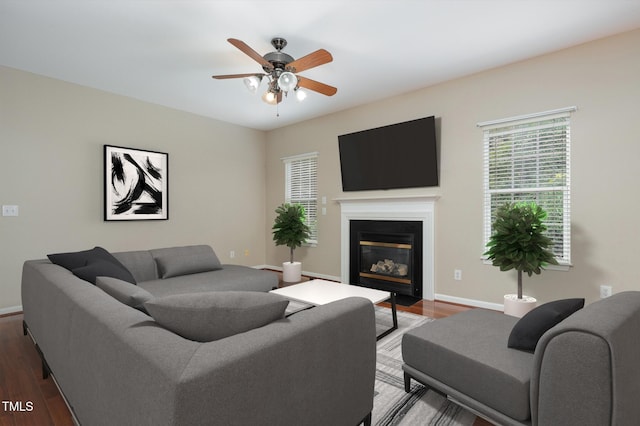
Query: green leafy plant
(290,228)
(519,241)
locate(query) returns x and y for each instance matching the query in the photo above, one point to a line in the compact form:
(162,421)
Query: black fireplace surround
(386,255)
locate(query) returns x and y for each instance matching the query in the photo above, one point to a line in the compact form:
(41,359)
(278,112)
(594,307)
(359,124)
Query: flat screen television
(400,155)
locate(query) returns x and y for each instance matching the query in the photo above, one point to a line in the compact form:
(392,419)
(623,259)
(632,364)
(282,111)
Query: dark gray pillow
(99,267)
(73,260)
(88,264)
(530,328)
(205,317)
(125,292)
(176,261)
(76,259)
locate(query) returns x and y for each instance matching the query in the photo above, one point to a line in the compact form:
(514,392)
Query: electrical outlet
(605,291)
(232,254)
(457,274)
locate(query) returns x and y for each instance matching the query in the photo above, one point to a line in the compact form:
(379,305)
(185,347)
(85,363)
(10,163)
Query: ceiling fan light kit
(287,81)
(280,70)
(301,95)
(253,83)
(270,98)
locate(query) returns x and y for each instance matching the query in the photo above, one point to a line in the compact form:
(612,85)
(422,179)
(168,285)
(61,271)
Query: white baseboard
(469,302)
(306,273)
(10,310)
(440,297)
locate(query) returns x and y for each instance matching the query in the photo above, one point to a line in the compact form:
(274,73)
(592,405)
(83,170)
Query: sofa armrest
(573,381)
(586,368)
(316,367)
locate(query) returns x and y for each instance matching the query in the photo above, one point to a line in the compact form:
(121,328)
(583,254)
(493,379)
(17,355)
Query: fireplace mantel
(386,198)
(418,208)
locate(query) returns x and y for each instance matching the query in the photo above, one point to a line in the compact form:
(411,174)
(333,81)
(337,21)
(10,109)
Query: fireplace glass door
(386,257)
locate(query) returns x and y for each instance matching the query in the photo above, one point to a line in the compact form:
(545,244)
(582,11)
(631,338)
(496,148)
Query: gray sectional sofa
(115,365)
(583,371)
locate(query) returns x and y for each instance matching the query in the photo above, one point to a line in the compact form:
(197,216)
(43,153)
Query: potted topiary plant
(290,230)
(519,242)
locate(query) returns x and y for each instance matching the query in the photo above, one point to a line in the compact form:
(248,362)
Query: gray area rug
(391,404)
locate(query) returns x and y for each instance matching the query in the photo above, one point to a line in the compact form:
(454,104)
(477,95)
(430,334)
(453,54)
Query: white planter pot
(291,272)
(518,307)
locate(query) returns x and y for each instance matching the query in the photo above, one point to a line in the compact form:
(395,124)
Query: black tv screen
(400,155)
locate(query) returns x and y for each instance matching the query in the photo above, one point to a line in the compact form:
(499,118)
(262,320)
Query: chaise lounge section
(584,370)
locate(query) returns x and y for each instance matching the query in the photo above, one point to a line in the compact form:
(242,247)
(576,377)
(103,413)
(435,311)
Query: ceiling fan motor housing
(277,59)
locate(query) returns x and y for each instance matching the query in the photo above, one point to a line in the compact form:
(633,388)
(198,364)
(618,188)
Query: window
(301,175)
(527,158)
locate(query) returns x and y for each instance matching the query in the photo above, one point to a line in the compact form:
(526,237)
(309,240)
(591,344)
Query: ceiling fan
(280,69)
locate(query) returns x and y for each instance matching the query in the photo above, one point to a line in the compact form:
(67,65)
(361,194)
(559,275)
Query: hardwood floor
(21,381)
(21,373)
(429,308)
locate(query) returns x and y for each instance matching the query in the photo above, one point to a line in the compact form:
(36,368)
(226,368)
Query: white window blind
(528,159)
(301,176)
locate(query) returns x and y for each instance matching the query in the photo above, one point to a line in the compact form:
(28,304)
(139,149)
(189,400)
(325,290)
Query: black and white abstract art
(136,184)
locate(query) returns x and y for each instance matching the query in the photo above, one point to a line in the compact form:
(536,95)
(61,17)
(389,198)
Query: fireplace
(386,255)
(418,208)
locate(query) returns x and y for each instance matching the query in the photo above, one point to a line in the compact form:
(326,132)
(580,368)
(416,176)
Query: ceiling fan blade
(319,57)
(222,77)
(316,86)
(244,47)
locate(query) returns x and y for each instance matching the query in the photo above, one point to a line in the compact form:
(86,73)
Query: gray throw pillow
(127,293)
(176,261)
(205,317)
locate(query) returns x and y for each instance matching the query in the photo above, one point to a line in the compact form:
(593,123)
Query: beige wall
(52,133)
(51,164)
(601,78)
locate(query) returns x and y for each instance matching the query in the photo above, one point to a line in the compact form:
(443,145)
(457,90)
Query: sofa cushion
(176,261)
(528,330)
(229,278)
(88,264)
(140,263)
(468,352)
(205,317)
(125,292)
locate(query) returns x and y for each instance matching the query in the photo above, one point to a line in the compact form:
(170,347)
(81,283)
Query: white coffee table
(321,292)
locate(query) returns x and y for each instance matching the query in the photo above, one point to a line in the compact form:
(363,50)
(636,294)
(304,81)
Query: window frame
(307,162)
(520,130)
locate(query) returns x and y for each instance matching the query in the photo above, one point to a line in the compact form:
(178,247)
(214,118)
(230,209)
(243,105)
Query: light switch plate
(9,210)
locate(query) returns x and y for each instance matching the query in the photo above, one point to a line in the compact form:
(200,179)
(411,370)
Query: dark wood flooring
(21,373)
(21,381)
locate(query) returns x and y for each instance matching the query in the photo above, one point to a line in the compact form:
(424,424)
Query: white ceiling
(165,52)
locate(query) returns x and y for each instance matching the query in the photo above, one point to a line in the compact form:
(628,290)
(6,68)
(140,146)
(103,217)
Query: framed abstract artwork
(136,184)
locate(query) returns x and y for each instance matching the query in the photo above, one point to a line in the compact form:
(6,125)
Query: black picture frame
(136,184)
